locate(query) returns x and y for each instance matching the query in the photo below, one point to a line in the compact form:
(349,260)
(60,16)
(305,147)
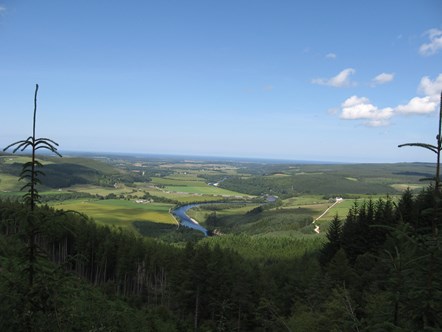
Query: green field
(9,183)
(192,185)
(99,190)
(120,212)
(204,190)
(183,197)
(303,200)
(318,205)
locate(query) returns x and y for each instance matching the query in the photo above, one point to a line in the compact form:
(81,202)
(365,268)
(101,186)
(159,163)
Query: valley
(267,198)
(278,242)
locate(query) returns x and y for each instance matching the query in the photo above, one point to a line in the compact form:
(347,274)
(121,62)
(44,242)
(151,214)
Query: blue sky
(304,80)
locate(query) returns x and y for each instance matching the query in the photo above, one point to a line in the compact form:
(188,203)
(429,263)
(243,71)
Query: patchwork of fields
(112,188)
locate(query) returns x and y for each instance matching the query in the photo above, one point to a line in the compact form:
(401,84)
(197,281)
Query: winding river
(186,221)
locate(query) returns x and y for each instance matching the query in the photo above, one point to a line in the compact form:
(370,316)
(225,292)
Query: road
(317,230)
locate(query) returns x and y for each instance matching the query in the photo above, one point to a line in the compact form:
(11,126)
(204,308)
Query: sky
(318,80)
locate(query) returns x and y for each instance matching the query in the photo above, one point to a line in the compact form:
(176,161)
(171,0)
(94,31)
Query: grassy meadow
(9,183)
(120,189)
(191,184)
(120,212)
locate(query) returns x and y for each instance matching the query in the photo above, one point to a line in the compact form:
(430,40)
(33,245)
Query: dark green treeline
(380,269)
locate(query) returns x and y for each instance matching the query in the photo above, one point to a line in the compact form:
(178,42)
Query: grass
(183,197)
(120,212)
(204,190)
(9,183)
(303,200)
(15,159)
(352,179)
(412,186)
(316,204)
(341,209)
(192,185)
(318,209)
(99,190)
(13,195)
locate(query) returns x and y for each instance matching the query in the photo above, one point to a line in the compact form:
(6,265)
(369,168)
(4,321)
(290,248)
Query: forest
(376,268)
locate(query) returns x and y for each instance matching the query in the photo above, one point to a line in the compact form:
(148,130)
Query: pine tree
(330,248)
(424,248)
(33,223)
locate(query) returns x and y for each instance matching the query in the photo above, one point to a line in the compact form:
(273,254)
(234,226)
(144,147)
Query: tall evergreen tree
(330,248)
(31,174)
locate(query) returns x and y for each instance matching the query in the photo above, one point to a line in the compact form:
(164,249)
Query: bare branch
(422,145)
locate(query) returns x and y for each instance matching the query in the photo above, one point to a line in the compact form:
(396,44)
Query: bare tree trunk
(197,299)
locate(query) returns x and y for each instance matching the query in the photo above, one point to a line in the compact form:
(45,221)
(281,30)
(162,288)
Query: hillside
(64,172)
(291,180)
(89,277)
(303,191)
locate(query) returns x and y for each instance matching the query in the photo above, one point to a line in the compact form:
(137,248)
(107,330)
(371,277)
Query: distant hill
(330,179)
(65,172)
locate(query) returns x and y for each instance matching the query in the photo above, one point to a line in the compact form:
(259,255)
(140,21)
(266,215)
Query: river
(186,221)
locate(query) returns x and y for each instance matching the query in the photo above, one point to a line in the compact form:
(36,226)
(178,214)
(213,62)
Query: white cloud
(417,105)
(431,88)
(338,81)
(2,9)
(383,78)
(435,43)
(330,56)
(427,104)
(360,108)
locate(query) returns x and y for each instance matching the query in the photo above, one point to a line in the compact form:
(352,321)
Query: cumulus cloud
(435,42)
(338,81)
(431,88)
(360,108)
(417,105)
(383,78)
(330,56)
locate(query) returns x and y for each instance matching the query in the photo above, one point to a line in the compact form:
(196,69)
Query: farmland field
(183,198)
(120,212)
(9,183)
(192,185)
(99,190)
